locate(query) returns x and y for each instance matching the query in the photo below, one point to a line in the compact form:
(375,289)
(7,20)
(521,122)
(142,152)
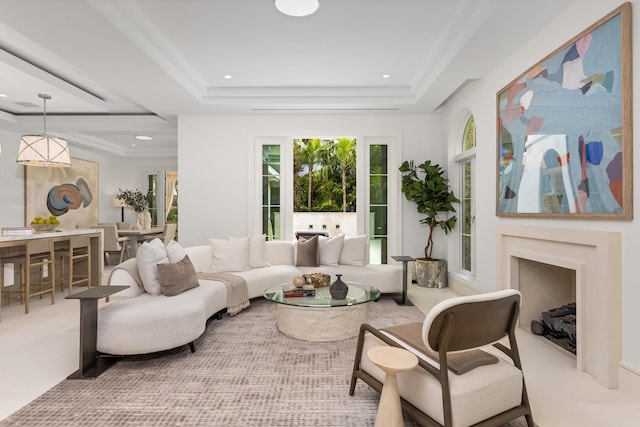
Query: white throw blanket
(237,291)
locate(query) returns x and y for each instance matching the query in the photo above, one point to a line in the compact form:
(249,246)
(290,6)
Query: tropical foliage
(324,175)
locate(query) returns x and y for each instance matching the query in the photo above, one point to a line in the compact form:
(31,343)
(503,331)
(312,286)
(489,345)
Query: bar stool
(79,251)
(38,254)
(18,265)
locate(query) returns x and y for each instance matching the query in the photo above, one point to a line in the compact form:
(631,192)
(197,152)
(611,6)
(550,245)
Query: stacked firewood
(558,325)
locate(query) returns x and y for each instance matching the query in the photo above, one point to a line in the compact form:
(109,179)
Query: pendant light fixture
(43,150)
(297,7)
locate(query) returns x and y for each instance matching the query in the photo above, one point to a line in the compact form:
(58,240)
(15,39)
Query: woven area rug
(243,373)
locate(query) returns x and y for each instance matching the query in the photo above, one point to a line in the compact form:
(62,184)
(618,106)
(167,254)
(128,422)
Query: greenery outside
(324,175)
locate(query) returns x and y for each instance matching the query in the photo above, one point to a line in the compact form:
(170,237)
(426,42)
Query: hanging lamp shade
(43,150)
(38,150)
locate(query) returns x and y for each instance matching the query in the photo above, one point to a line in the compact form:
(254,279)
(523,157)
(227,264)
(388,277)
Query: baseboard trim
(629,380)
(460,287)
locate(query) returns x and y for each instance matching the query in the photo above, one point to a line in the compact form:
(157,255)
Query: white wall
(215,152)
(114,173)
(480,98)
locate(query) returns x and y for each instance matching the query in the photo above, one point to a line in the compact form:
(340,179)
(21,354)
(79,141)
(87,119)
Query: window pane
(378,250)
(271,222)
(469,137)
(378,190)
(378,163)
(466,257)
(378,221)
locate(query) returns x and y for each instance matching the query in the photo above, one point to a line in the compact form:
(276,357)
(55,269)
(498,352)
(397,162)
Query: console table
(89,367)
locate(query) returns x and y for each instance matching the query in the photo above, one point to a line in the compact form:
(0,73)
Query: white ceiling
(119,68)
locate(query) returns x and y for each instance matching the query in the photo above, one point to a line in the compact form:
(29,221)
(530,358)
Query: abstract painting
(71,194)
(564,129)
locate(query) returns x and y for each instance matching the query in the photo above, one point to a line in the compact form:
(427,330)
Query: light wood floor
(40,349)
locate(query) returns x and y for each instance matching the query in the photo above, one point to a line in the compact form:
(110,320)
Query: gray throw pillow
(307,254)
(178,277)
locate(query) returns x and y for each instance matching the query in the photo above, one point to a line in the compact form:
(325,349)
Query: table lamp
(119,203)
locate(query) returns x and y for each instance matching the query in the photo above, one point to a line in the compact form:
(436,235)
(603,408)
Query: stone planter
(431,273)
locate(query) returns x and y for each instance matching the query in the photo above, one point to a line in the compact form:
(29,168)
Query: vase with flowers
(139,203)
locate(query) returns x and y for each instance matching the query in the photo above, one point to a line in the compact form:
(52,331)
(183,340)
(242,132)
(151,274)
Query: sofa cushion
(330,249)
(280,252)
(177,277)
(175,252)
(150,254)
(258,251)
(307,252)
(354,251)
(229,254)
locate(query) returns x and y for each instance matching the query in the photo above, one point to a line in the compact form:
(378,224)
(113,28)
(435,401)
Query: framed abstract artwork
(71,194)
(564,129)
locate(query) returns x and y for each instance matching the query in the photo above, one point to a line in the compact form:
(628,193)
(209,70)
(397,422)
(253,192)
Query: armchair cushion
(459,362)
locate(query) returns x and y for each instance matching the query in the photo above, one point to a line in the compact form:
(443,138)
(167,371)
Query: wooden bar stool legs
(39,255)
(79,251)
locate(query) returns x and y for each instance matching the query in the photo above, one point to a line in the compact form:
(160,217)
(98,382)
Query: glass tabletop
(357,294)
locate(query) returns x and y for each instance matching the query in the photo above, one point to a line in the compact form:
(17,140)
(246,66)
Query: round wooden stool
(391,360)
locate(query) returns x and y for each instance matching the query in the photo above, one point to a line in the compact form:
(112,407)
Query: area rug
(244,373)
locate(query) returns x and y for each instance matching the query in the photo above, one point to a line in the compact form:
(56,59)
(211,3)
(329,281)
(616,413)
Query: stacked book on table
(298,292)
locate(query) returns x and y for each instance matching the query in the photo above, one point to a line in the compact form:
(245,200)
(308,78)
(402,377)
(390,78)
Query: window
(378,204)
(374,213)
(466,214)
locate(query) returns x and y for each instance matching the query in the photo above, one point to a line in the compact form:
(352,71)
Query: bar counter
(15,245)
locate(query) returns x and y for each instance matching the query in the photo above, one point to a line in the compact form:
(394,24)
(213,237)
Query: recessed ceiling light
(386,76)
(297,7)
(228,76)
(143,138)
(3,95)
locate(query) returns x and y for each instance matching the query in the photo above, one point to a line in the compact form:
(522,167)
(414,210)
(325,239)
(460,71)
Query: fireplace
(594,259)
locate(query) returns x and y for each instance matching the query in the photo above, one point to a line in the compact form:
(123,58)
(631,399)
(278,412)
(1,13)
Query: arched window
(466,165)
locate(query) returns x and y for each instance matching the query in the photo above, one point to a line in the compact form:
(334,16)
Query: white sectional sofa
(136,321)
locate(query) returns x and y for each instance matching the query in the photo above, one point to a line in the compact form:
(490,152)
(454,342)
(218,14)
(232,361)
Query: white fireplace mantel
(595,256)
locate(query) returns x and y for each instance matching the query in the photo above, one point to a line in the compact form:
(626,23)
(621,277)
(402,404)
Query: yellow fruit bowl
(43,227)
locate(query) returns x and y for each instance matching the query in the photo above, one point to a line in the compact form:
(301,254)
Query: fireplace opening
(548,302)
(558,325)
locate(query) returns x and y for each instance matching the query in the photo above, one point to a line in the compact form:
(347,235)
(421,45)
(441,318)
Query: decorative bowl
(43,227)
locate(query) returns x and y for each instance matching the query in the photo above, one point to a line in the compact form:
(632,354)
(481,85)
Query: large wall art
(564,129)
(71,194)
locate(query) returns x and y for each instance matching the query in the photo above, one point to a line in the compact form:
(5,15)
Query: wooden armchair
(465,377)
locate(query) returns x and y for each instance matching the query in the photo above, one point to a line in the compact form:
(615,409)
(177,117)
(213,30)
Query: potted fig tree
(427,186)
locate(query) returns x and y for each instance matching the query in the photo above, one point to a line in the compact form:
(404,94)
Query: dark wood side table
(89,367)
(405,260)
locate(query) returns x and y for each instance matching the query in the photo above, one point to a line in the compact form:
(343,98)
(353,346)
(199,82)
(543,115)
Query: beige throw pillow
(175,278)
(354,251)
(307,252)
(258,251)
(330,249)
(148,256)
(229,254)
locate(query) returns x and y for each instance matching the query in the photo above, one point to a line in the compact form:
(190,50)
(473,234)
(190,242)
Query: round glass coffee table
(320,317)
